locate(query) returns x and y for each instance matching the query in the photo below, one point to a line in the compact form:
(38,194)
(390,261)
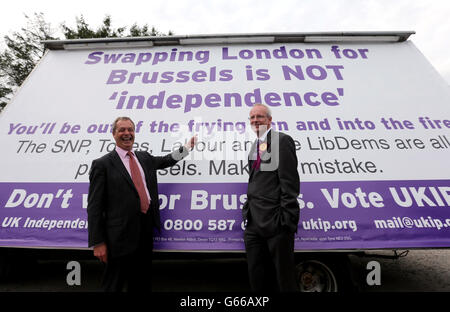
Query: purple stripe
(207,216)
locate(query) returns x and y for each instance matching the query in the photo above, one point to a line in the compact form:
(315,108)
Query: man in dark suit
(271,211)
(123,209)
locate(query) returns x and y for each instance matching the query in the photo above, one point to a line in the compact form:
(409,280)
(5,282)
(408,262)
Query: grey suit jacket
(273,190)
(113,201)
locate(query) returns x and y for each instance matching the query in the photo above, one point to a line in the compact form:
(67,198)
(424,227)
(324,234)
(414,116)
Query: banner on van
(370,122)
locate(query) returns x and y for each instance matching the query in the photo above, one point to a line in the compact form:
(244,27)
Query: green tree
(23,51)
(24,48)
(83,30)
(144,31)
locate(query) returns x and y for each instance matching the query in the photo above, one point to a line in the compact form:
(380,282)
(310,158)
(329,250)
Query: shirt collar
(123,153)
(262,138)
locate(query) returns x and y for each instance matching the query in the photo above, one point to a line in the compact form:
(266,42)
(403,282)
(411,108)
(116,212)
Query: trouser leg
(140,272)
(132,270)
(115,275)
(260,267)
(281,248)
(139,279)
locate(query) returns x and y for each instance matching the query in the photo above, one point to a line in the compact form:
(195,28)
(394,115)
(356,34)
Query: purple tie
(257,163)
(138,183)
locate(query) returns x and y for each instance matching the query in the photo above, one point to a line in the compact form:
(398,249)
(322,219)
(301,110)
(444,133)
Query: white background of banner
(395,81)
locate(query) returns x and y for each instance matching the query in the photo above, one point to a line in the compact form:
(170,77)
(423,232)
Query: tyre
(323,274)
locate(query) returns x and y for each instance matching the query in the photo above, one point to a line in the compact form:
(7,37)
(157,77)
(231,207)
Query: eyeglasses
(258,117)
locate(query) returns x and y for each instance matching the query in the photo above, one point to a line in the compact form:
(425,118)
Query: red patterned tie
(257,163)
(138,183)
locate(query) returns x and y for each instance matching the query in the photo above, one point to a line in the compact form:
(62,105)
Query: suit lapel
(251,161)
(118,164)
(268,141)
(269,145)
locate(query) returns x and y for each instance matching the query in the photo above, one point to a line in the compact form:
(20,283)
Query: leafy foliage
(24,48)
(23,51)
(82,30)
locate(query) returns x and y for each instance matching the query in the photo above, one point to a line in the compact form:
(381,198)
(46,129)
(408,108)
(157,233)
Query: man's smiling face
(124,134)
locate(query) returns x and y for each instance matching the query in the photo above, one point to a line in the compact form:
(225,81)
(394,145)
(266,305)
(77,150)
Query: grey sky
(430,19)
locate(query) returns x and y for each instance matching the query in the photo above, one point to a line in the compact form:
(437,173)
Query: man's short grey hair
(269,112)
(114,125)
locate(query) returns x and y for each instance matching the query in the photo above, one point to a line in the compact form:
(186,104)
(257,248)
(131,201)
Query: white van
(369,115)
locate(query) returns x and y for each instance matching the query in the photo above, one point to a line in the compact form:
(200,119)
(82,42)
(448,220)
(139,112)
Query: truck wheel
(324,273)
(316,276)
